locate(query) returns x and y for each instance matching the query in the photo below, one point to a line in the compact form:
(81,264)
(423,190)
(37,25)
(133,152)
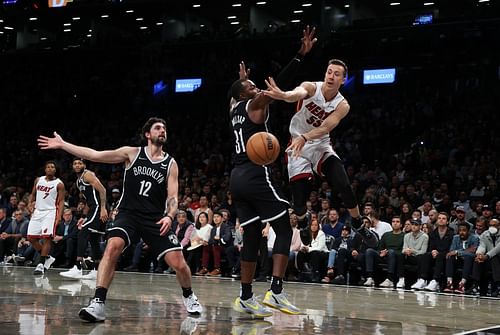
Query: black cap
(416,221)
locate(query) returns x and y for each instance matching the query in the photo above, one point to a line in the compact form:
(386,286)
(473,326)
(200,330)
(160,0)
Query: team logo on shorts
(173,239)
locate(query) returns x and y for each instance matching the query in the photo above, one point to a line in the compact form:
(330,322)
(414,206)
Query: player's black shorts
(255,196)
(132,226)
(93,221)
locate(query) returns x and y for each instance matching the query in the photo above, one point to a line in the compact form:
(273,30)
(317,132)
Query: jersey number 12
(145,187)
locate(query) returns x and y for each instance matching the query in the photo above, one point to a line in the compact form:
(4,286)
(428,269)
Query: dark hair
(236,89)
(198,224)
(79,159)
(51,162)
(463,224)
(149,123)
(339,62)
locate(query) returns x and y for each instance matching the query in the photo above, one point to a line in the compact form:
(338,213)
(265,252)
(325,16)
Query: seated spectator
(414,246)
(233,252)
(9,239)
(462,252)
(487,255)
(4,225)
(220,237)
(315,253)
(199,240)
(65,240)
(439,246)
(347,247)
(332,225)
(389,249)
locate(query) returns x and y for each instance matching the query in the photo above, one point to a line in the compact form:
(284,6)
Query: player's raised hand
(273,90)
(308,40)
(55,142)
(244,72)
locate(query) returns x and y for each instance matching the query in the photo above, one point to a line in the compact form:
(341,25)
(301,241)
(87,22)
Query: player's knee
(114,247)
(283,230)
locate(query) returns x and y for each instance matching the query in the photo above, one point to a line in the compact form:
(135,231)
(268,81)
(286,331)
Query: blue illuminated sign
(380,76)
(187,85)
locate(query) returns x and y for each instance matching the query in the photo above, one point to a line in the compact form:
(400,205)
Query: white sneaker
(433,286)
(387,283)
(192,304)
(91,275)
(48,262)
(94,312)
(420,284)
(369,282)
(401,283)
(73,273)
(39,269)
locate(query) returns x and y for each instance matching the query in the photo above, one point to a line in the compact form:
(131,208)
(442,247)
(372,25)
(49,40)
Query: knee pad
(283,230)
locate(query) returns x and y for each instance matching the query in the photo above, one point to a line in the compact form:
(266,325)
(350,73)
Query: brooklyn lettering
(147,171)
(238,119)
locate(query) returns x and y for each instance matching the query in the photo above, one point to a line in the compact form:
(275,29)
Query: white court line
(477,330)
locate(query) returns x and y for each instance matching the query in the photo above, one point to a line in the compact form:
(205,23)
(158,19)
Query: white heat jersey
(46,193)
(312,112)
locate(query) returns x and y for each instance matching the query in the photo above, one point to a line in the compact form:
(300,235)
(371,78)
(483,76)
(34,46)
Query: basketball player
(256,198)
(320,109)
(146,210)
(47,200)
(90,226)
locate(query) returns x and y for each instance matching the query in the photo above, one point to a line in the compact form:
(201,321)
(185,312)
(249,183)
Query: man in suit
(65,240)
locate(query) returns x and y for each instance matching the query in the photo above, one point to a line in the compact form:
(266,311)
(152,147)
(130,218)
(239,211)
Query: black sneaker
(339,280)
(473,290)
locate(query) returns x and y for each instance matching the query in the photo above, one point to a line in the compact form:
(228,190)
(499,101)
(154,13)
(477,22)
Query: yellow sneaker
(280,302)
(251,306)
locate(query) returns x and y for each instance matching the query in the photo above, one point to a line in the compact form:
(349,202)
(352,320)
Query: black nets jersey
(89,193)
(145,185)
(243,129)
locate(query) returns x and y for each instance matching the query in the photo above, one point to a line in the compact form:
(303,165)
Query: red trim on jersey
(35,236)
(301,176)
(299,105)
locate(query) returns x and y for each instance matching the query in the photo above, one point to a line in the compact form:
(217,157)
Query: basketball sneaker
(91,275)
(94,312)
(251,306)
(192,304)
(73,273)
(280,302)
(48,262)
(39,270)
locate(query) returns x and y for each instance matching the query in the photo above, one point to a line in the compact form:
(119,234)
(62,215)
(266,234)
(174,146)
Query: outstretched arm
(258,106)
(123,154)
(306,89)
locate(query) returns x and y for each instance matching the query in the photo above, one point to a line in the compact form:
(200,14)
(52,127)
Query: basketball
(263,148)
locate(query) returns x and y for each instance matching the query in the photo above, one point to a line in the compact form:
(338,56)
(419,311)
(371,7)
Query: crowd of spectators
(426,142)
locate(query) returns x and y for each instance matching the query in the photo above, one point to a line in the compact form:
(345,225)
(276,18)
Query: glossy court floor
(151,304)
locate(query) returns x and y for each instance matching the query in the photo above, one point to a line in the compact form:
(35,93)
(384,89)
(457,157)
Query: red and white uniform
(310,114)
(42,223)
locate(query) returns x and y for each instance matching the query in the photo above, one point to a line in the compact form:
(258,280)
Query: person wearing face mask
(487,255)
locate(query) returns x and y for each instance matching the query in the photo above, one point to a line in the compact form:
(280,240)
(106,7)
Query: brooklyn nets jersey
(145,185)
(243,129)
(312,112)
(88,191)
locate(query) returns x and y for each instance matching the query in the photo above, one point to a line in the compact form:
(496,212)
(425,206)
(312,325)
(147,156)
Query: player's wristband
(299,57)
(170,216)
(305,139)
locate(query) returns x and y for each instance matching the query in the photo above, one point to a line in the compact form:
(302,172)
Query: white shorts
(313,154)
(42,224)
